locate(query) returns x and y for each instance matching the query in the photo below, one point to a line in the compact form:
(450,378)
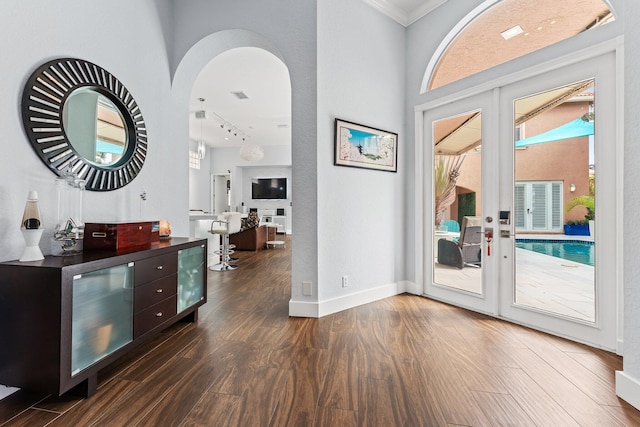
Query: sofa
(252,236)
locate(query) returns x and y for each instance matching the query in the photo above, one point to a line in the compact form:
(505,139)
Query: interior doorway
(220,193)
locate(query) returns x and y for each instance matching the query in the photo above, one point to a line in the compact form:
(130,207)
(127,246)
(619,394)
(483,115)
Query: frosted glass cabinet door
(191,271)
(102,314)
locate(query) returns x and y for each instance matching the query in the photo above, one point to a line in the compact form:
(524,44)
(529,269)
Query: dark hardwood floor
(402,361)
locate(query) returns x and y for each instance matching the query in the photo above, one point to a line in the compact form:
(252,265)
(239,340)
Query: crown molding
(400,15)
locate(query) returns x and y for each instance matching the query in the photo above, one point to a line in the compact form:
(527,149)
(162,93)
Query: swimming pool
(571,250)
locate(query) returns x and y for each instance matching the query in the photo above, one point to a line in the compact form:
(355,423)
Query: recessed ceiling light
(512,32)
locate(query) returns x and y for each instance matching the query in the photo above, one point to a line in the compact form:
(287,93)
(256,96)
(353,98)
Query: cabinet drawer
(152,293)
(154,268)
(154,316)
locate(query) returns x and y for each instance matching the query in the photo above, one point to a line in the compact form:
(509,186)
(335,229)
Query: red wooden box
(118,236)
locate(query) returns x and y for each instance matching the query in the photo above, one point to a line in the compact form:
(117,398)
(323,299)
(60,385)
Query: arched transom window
(499,31)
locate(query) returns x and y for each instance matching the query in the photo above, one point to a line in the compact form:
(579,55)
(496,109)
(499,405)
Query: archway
(195,60)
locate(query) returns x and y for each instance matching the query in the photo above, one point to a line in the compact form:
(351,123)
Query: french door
(529,152)
(459,264)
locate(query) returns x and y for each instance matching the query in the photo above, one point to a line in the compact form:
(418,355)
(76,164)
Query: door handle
(488,236)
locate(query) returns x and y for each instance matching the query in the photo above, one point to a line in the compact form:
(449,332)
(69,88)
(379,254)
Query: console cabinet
(63,319)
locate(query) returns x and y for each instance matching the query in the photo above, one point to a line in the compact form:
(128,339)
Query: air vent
(240,95)
(284,126)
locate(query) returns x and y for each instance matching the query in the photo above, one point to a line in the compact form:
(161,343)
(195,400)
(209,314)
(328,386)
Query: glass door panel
(457,178)
(102,314)
(554,169)
(191,276)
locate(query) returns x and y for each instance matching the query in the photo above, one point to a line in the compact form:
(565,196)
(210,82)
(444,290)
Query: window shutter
(556,205)
(539,198)
(520,209)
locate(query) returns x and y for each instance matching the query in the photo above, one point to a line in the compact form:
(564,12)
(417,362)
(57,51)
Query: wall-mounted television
(269,188)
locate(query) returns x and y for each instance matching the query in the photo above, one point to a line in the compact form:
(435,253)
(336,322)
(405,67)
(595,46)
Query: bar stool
(229,225)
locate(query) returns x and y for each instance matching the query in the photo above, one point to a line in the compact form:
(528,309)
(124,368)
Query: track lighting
(231,128)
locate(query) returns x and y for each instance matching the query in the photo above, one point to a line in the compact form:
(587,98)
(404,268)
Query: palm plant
(445,177)
(587,202)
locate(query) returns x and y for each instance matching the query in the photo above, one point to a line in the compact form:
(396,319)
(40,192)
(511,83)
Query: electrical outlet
(345,281)
(306,288)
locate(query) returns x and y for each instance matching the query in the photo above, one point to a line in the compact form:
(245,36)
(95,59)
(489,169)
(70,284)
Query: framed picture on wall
(361,146)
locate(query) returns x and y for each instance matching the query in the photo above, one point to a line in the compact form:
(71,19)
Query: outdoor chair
(468,249)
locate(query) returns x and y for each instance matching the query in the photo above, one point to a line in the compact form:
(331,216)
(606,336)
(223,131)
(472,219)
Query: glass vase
(69,229)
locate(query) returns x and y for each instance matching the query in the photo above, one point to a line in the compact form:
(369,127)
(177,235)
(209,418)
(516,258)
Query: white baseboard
(334,305)
(303,309)
(628,389)
(413,288)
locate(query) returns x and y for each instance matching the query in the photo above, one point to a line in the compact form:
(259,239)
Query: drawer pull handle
(159,314)
(159,267)
(158,291)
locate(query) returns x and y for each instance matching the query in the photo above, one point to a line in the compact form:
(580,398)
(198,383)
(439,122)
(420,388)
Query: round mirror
(95,127)
(79,117)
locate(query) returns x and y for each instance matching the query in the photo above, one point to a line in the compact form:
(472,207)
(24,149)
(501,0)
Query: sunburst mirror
(80,118)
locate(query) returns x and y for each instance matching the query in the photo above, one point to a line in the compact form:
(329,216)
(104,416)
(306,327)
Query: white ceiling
(265,117)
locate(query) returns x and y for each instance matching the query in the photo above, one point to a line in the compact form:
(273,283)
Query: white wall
(225,159)
(628,382)
(248,173)
(128,40)
(361,78)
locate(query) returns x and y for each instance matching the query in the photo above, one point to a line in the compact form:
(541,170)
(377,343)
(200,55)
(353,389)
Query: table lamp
(31,227)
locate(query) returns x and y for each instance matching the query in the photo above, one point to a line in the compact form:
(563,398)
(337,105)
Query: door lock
(505,217)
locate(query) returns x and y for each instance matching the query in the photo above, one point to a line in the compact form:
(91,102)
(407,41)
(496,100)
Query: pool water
(571,250)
